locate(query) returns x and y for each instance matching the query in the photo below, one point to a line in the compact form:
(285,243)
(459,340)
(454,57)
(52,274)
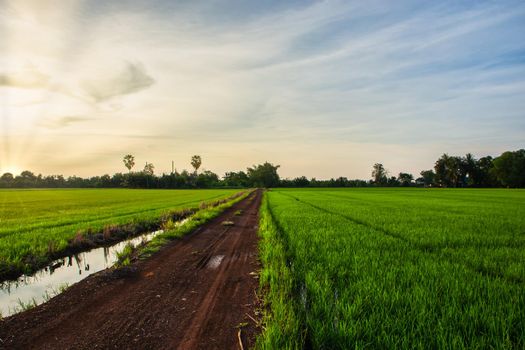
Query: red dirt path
(176,299)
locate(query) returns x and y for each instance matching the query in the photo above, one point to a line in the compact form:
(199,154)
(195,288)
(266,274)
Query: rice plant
(393,268)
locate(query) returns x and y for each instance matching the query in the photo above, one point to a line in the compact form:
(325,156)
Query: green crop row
(35,225)
(393,268)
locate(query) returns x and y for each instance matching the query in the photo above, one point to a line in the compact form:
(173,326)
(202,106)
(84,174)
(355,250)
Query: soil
(197,292)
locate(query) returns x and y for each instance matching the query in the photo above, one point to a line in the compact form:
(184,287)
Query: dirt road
(194,294)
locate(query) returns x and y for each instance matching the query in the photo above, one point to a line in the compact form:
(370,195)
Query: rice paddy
(35,225)
(393,268)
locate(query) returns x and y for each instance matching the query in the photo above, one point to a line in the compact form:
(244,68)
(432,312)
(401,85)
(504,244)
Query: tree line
(262,175)
(507,170)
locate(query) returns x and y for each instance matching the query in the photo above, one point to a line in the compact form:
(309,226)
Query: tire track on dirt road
(199,321)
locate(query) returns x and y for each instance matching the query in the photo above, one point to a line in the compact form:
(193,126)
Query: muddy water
(37,288)
(215,261)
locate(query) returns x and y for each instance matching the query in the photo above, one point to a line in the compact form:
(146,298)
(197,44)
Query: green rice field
(393,268)
(37,223)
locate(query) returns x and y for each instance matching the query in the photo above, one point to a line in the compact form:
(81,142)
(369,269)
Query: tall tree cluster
(507,170)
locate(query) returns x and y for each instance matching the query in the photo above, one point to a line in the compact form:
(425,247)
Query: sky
(322,88)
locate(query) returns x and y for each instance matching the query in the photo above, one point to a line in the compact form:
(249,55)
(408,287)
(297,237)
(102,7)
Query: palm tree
(129,161)
(196,162)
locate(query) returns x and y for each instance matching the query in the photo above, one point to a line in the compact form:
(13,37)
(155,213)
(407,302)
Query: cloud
(28,78)
(132,78)
(61,122)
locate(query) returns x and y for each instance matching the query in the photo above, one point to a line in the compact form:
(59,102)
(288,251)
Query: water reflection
(48,281)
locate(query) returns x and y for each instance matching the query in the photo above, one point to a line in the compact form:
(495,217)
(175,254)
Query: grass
(393,268)
(124,257)
(38,225)
(24,306)
(55,291)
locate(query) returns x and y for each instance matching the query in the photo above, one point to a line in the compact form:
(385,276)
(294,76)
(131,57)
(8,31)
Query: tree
(6,180)
(428,177)
(301,182)
(7,177)
(26,174)
(233,179)
(129,161)
(509,168)
(196,162)
(26,179)
(457,172)
(207,179)
(470,169)
(379,174)
(405,179)
(392,182)
(149,169)
(441,170)
(450,171)
(264,175)
(486,176)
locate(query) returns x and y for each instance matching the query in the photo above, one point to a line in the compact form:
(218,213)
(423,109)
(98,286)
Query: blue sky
(323,88)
